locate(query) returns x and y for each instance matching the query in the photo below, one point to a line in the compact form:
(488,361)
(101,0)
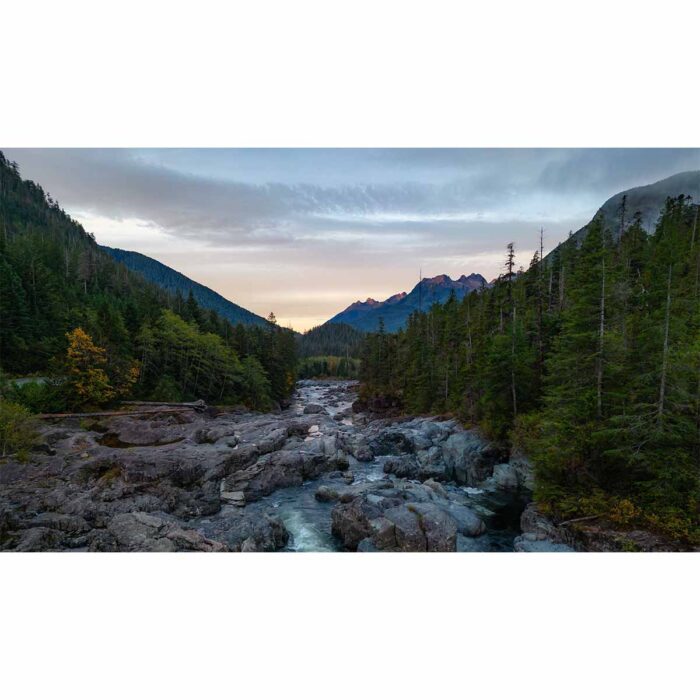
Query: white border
(352,74)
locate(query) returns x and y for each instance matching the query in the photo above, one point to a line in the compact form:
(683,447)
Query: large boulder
(524,470)
(505,477)
(401,517)
(247,532)
(539,534)
(468,458)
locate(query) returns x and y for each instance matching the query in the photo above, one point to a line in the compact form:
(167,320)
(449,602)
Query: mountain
(394,311)
(648,200)
(173,281)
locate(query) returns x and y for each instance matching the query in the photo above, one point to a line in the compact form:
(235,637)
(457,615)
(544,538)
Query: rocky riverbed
(312,477)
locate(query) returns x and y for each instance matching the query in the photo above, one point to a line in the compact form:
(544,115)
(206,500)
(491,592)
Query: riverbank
(312,477)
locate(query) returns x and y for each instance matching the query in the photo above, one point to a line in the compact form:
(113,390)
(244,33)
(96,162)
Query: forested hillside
(176,283)
(589,362)
(67,309)
(338,339)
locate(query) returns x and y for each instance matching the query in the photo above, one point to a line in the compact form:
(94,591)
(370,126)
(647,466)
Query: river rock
(40,539)
(144,532)
(194,481)
(524,470)
(505,477)
(397,516)
(525,543)
(247,532)
(539,534)
(468,458)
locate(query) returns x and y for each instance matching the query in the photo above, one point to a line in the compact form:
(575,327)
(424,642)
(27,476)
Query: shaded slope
(173,281)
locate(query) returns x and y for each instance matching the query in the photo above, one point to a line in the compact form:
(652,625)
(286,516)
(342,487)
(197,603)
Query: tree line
(589,361)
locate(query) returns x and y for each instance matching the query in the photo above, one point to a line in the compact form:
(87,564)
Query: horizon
(305,233)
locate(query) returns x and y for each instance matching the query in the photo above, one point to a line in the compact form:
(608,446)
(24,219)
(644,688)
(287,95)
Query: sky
(306,232)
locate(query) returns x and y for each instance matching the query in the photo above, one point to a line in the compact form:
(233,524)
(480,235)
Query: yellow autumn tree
(125,378)
(85,364)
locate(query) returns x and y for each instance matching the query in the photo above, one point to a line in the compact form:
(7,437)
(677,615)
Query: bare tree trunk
(561,287)
(601,337)
(512,368)
(664,361)
(469,337)
(447,381)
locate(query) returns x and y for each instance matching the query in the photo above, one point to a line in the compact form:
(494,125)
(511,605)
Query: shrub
(39,397)
(17,428)
(166,390)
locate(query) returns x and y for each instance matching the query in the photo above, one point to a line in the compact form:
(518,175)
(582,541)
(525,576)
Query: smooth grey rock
(473,544)
(40,539)
(524,544)
(505,477)
(71,524)
(144,532)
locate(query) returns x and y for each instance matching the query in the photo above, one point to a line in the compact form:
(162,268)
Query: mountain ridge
(395,310)
(648,200)
(173,281)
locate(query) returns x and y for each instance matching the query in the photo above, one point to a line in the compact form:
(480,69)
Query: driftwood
(194,405)
(157,408)
(580,520)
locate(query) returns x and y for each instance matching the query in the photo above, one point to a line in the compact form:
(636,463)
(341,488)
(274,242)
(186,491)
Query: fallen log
(195,405)
(580,520)
(104,414)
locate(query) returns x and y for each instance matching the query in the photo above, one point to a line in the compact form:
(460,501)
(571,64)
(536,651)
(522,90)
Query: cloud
(290,224)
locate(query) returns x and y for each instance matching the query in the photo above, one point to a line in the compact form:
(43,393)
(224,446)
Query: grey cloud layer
(432,191)
(315,221)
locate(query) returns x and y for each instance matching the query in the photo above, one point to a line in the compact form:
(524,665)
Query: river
(308,520)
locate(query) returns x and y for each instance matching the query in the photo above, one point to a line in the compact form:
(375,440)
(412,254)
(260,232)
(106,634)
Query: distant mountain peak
(394,311)
(474,277)
(438,279)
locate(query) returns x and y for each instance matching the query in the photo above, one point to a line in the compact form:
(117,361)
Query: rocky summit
(395,311)
(314,476)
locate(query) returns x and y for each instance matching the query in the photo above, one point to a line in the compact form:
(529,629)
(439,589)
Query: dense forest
(337,339)
(71,312)
(588,361)
(330,350)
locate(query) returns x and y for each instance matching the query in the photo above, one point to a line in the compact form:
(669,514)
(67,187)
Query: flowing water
(309,520)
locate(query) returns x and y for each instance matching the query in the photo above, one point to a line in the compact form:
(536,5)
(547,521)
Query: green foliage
(17,429)
(257,391)
(589,361)
(329,366)
(55,279)
(331,339)
(48,396)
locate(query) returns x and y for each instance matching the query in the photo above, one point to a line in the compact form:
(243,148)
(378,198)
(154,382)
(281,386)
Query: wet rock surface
(314,476)
(399,516)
